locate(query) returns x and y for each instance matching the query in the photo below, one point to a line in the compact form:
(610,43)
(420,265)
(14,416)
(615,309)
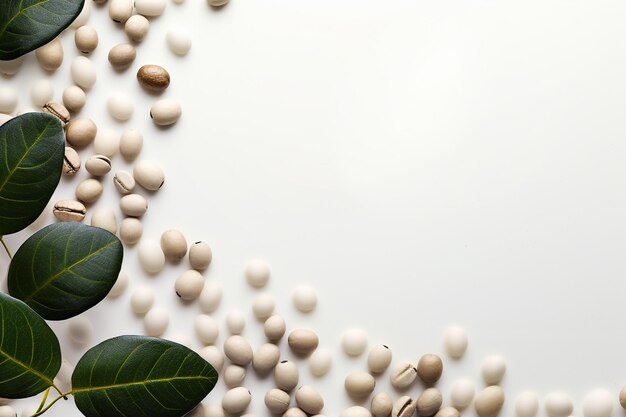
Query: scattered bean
(81,132)
(303,341)
(429,368)
(131,230)
(98,165)
(304,298)
(122,56)
(355,411)
(165,112)
(320,362)
(200,255)
(403,376)
(11,67)
(41,92)
(354,342)
(492,369)
(234,376)
(107,142)
(558,404)
(131,143)
(257,273)
(136,28)
(265,358)
(277,401)
(236,400)
(124,182)
(379,359)
(8,99)
(207,329)
(238,350)
(189,285)
(429,402)
(210,297)
(86,39)
(83,72)
(274,328)
(462,393)
(151,256)
(7,411)
(489,401)
(71,162)
(120,285)
(309,400)
(153,77)
(89,191)
(359,384)
(149,175)
(598,403)
(179,41)
(104,218)
(381,405)
(294,412)
(82,17)
(235,322)
(120,107)
(133,205)
(80,330)
(50,56)
(150,8)
(69,211)
(403,407)
(142,300)
(59,111)
(212,355)
(74,98)
(448,412)
(120,10)
(526,404)
(263,306)
(286,375)
(174,244)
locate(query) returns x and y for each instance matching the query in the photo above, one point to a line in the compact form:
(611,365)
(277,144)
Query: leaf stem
(43,400)
(40,412)
(60,392)
(6,248)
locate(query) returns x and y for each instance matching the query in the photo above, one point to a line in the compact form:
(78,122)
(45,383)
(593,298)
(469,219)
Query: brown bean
(153,77)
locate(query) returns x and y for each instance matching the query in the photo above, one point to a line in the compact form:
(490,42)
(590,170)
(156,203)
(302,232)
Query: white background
(420,163)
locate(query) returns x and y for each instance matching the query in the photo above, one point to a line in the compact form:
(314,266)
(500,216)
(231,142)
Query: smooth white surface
(420,163)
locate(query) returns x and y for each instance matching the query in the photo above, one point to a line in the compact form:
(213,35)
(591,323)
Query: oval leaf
(25,25)
(65,269)
(31,152)
(30,355)
(140,376)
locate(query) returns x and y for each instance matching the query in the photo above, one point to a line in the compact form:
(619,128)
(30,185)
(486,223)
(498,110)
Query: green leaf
(30,355)
(25,25)
(65,269)
(140,376)
(31,157)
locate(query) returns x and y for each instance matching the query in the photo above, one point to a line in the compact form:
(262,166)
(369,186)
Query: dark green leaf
(31,158)
(25,25)
(30,355)
(65,269)
(140,376)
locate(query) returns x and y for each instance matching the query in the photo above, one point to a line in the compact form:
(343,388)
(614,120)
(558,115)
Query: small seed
(238,350)
(265,358)
(69,211)
(429,402)
(179,41)
(136,28)
(263,307)
(381,405)
(403,376)
(133,205)
(156,322)
(122,56)
(379,359)
(124,182)
(429,368)
(165,112)
(257,273)
(286,375)
(131,143)
(294,412)
(189,285)
(354,342)
(455,342)
(104,218)
(274,328)
(403,407)
(120,10)
(41,92)
(107,142)
(71,162)
(320,362)
(120,285)
(83,72)
(98,165)
(120,107)
(236,400)
(235,322)
(309,400)
(89,191)
(80,330)
(234,375)
(558,404)
(212,355)
(304,298)
(210,297)
(489,401)
(303,341)
(174,244)
(277,401)
(50,56)
(598,403)
(200,255)
(526,404)
(8,99)
(81,132)
(150,8)
(74,98)
(12,66)
(59,111)
(86,39)
(153,77)
(206,328)
(131,230)
(151,256)
(142,300)
(448,412)
(149,175)
(462,393)
(355,411)
(359,384)
(493,369)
